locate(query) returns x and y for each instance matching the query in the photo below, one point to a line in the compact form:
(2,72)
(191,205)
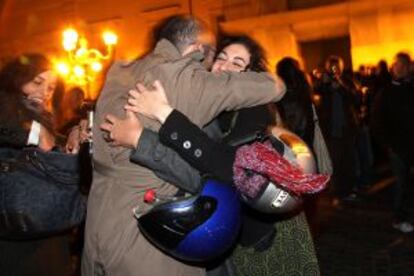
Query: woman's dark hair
(22,70)
(288,69)
(13,76)
(295,108)
(258,61)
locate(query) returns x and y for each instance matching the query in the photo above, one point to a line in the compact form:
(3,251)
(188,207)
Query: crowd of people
(365,117)
(167,120)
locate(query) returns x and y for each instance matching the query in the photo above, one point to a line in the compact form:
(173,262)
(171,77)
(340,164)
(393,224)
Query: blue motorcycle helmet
(197,228)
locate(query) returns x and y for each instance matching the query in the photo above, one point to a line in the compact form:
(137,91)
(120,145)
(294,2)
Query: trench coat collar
(166,49)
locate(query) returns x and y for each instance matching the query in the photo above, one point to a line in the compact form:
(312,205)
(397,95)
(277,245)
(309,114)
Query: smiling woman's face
(40,89)
(233,58)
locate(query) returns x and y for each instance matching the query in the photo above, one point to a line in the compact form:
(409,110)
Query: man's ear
(190,49)
(200,47)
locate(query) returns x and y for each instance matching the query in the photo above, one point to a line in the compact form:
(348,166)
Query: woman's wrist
(136,138)
(163,112)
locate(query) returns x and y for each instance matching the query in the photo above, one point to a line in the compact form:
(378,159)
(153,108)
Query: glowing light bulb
(81,52)
(96,66)
(70,38)
(69,46)
(79,71)
(62,68)
(110,38)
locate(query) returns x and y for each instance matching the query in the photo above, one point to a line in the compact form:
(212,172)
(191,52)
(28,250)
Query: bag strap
(32,158)
(232,124)
(315,115)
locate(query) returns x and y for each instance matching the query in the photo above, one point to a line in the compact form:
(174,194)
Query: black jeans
(401,171)
(343,155)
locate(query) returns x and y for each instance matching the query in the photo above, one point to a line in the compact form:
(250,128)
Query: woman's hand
(73,142)
(123,132)
(78,135)
(152,103)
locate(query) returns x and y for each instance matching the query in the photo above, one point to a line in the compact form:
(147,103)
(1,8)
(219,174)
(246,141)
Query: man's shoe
(404,226)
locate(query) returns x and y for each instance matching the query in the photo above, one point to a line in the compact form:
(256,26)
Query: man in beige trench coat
(113,243)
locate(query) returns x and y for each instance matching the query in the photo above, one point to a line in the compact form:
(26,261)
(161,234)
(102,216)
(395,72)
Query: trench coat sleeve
(192,144)
(165,163)
(203,95)
(118,81)
(214,93)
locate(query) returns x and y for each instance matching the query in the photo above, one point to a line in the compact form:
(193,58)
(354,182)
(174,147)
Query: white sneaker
(404,226)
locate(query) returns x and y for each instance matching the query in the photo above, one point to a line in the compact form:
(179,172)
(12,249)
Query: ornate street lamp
(82,64)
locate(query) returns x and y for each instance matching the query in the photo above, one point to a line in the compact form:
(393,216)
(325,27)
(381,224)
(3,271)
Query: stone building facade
(376,28)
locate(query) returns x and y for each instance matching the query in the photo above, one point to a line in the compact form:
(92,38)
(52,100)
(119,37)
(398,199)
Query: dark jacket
(337,110)
(165,162)
(29,257)
(186,141)
(167,154)
(13,136)
(297,115)
(15,121)
(211,157)
(392,116)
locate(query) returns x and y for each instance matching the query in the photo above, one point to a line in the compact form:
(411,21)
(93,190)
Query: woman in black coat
(295,108)
(27,85)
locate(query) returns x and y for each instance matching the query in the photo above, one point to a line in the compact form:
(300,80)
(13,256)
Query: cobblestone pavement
(358,239)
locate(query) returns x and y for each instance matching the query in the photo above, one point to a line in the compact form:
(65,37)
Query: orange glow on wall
(381,35)
(370,55)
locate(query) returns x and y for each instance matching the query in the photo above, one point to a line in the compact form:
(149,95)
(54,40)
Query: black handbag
(39,193)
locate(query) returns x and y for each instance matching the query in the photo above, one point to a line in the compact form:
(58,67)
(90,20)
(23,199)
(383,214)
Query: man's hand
(152,103)
(123,132)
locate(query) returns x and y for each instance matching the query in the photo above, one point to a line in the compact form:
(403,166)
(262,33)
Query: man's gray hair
(180,30)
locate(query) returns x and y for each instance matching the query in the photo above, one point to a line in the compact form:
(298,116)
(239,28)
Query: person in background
(382,77)
(338,117)
(27,86)
(295,108)
(296,114)
(73,109)
(393,128)
(412,71)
